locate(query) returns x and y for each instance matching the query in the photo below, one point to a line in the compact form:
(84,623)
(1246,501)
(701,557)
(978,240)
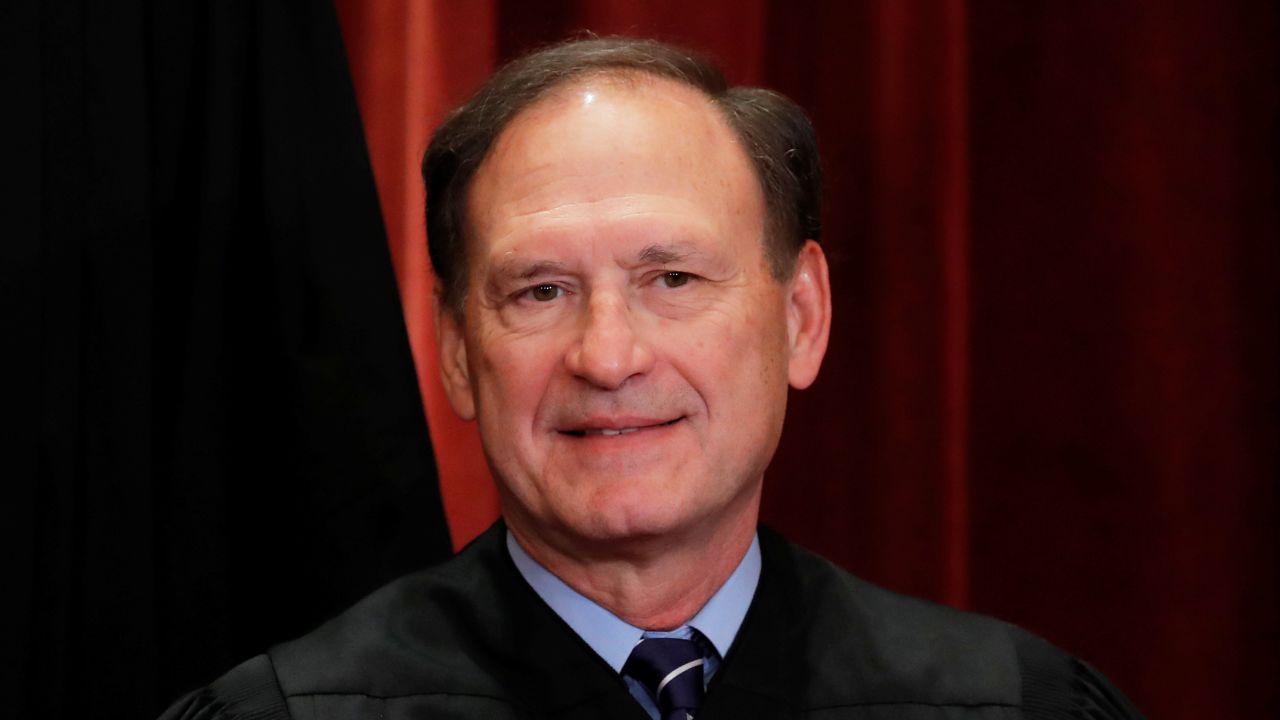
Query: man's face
(624,347)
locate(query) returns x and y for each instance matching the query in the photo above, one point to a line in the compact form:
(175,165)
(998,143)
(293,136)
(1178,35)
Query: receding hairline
(626,78)
(620,75)
(636,82)
(772,131)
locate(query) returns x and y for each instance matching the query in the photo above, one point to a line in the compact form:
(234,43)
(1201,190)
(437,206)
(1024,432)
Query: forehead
(613,144)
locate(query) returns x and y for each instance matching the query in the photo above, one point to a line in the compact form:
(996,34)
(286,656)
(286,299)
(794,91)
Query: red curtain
(411,62)
(1051,390)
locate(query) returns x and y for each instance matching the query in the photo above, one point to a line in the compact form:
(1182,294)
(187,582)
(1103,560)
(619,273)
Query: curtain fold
(412,63)
(1124,205)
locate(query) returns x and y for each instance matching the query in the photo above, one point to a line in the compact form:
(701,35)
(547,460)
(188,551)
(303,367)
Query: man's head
(773,131)
(632,315)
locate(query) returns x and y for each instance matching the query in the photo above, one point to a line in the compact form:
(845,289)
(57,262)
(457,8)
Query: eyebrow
(655,254)
(519,271)
(664,254)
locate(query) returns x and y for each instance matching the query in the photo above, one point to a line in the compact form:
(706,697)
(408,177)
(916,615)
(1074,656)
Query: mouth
(604,431)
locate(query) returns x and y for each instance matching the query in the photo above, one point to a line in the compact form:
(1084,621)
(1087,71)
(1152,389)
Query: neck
(654,583)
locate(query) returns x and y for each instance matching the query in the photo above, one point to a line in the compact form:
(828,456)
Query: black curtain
(220,440)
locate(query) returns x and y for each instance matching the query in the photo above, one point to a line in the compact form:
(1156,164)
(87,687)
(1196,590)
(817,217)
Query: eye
(675,278)
(545,292)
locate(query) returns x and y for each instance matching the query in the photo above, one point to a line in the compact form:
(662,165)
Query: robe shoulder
(249,691)
(451,641)
(874,648)
(1058,686)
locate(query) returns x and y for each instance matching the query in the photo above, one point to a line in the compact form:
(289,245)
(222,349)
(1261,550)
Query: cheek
(512,375)
(752,332)
(754,354)
(731,361)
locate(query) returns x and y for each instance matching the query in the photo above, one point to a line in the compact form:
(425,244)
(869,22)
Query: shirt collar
(612,638)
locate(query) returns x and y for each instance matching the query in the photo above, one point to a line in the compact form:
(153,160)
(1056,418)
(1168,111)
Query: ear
(808,315)
(451,346)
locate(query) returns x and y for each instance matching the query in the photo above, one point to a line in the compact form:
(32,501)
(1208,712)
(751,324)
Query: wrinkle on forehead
(528,222)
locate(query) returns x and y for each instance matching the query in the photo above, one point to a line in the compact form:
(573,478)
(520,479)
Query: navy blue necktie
(671,669)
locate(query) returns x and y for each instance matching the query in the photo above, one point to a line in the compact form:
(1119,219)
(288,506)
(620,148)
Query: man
(628,282)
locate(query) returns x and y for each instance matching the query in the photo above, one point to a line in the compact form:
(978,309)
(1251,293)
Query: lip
(616,427)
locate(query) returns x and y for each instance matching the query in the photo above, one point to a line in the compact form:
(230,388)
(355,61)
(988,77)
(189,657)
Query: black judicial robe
(470,639)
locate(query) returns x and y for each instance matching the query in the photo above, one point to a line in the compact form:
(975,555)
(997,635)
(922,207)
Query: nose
(608,350)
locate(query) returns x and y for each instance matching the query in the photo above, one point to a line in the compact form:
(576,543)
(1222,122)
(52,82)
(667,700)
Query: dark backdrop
(219,440)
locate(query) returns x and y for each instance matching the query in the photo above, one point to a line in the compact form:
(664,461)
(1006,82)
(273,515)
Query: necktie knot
(671,669)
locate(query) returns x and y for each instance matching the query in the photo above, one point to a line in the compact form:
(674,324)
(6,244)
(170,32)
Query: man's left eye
(544,293)
(675,278)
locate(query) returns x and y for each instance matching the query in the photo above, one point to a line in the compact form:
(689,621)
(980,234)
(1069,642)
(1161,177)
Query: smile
(611,432)
(607,432)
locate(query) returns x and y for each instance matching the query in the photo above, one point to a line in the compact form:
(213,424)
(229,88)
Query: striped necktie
(671,669)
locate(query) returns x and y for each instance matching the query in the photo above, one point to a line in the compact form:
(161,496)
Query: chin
(637,520)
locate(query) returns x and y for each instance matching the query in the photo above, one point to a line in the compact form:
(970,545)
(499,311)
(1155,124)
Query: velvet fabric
(216,436)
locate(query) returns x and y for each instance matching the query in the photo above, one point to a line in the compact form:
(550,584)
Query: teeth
(609,433)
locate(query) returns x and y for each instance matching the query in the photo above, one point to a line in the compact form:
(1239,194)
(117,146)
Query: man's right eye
(544,293)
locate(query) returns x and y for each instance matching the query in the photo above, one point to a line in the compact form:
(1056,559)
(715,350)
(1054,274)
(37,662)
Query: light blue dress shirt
(613,639)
